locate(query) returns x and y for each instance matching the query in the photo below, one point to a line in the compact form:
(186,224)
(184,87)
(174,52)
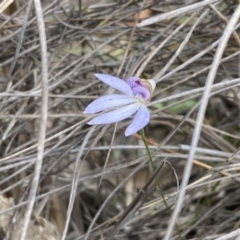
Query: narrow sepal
(115,83)
(140,120)
(108,101)
(116,115)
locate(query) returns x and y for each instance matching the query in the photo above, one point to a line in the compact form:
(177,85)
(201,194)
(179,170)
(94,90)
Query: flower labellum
(137,92)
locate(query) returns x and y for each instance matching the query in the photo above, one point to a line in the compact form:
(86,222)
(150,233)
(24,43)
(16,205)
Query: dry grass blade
(108,198)
(172,42)
(4,5)
(76,175)
(139,200)
(43,120)
(197,130)
(230,235)
(176,13)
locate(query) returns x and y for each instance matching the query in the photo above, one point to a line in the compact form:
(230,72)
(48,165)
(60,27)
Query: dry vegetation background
(94,182)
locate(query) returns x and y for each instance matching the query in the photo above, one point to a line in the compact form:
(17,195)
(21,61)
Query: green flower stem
(147,148)
(157,181)
(152,165)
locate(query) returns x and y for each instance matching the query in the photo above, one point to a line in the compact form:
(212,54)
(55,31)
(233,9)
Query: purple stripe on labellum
(142,92)
(140,87)
(133,82)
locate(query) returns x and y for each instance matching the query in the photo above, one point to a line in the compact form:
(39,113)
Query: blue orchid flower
(137,92)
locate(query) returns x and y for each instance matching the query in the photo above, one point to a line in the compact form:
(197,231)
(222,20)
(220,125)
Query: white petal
(116,115)
(115,82)
(108,101)
(140,120)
